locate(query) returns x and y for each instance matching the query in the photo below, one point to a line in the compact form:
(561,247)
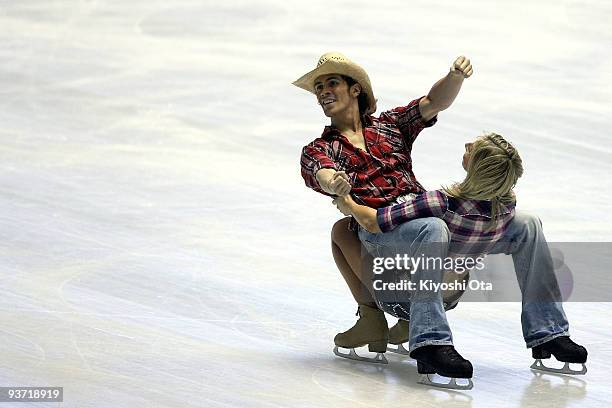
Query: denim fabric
(542,316)
(427,237)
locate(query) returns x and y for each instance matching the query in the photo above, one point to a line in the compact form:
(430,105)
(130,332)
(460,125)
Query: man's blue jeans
(542,316)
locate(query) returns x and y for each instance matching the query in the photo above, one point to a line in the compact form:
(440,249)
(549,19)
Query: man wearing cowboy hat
(344,92)
(370,158)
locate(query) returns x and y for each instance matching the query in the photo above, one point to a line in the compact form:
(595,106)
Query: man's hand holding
(340,184)
(334,182)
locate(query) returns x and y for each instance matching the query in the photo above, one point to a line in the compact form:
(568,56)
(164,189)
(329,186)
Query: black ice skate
(446,362)
(399,333)
(565,351)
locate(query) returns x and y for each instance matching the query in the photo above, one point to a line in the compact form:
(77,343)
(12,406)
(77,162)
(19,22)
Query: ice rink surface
(159,248)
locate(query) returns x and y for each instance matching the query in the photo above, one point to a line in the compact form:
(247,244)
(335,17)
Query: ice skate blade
(380,357)
(538,365)
(399,350)
(451,385)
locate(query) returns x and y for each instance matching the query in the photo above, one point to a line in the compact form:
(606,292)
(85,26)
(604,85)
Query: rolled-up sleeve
(316,156)
(428,204)
(409,120)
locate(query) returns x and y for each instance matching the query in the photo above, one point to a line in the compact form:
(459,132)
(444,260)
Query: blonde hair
(494,167)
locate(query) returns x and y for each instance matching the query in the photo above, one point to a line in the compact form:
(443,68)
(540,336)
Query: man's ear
(356,90)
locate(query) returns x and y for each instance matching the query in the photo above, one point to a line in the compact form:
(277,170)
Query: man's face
(333,95)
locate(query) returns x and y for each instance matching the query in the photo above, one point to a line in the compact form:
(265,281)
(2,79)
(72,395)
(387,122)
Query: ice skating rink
(159,248)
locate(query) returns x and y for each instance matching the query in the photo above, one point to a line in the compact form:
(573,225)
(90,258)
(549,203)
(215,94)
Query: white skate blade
(352,355)
(399,350)
(538,365)
(451,385)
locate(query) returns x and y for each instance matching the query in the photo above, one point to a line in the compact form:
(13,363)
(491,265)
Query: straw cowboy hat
(336,63)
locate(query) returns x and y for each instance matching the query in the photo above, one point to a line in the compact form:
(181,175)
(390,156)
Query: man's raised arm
(444,92)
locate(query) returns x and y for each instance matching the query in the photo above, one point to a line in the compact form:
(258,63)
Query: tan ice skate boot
(398,334)
(370,329)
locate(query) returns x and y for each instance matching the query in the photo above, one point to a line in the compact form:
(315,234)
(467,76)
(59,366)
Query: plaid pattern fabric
(469,221)
(383,171)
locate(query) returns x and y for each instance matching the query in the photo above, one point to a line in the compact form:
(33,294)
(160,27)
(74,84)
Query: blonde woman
(478,215)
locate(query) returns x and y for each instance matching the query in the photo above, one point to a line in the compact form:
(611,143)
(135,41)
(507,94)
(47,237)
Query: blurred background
(158,246)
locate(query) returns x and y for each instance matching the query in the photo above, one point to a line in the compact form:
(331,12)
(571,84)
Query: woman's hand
(344,204)
(364,215)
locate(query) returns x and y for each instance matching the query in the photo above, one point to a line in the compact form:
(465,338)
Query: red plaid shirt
(469,221)
(383,171)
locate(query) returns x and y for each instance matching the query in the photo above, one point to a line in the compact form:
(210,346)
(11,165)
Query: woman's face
(466,155)
(332,93)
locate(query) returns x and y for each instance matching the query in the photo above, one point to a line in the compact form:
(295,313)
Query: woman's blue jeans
(542,316)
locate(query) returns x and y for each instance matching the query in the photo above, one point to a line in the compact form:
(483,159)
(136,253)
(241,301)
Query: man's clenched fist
(339,184)
(462,66)
(334,182)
